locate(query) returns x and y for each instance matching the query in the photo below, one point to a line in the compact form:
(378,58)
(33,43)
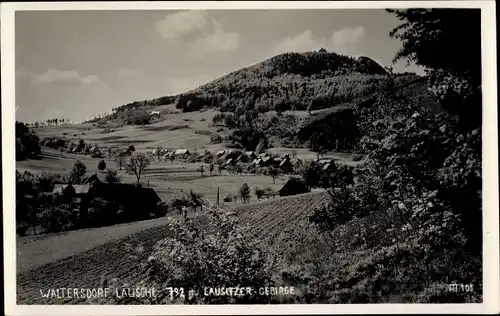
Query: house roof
(284,161)
(262,155)
(328,165)
(256,161)
(79,188)
(266,159)
(125,194)
(249,153)
(181,151)
(93,178)
(296,186)
(323,161)
(228,161)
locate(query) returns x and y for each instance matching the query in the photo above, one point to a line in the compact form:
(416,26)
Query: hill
(289,83)
(284,82)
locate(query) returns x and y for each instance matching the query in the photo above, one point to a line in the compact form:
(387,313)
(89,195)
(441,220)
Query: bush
(77,172)
(112,176)
(57,218)
(101,213)
(161,209)
(244,192)
(101,165)
(357,157)
(221,257)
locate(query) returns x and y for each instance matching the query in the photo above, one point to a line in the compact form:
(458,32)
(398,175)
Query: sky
(75,64)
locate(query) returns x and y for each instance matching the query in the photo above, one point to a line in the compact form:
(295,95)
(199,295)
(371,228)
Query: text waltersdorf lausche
(145,292)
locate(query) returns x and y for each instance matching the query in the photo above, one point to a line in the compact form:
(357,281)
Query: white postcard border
(491,292)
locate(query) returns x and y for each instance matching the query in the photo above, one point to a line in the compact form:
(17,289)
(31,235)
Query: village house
(292,187)
(93,179)
(220,153)
(182,153)
(267,160)
(262,155)
(286,165)
(257,163)
(243,158)
(73,191)
(296,163)
(230,161)
(136,202)
(329,166)
(250,154)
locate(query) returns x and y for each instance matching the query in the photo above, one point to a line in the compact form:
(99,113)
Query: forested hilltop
(291,81)
(253,100)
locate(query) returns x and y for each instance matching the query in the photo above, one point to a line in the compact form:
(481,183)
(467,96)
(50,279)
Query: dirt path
(35,251)
(118,259)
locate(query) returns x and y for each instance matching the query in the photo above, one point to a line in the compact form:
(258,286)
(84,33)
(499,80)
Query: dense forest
(27,143)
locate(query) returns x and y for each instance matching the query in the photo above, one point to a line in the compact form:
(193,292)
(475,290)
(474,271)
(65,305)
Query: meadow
(165,177)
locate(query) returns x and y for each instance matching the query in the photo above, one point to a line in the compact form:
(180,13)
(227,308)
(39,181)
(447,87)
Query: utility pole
(217,196)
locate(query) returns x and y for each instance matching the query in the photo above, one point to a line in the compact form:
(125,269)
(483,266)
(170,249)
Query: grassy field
(170,133)
(166,178)
(119,250)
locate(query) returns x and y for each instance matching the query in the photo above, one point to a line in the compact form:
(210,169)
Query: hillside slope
(284,82)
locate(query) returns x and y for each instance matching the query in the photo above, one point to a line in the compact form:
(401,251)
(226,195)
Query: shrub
(244,192)
(161,209)
(221,257)
(112,176)
(215,139)
(77,172)
(101,165)
(57,218)
(101,213)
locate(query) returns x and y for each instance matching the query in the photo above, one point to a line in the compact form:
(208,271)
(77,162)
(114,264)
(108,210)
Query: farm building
(296,162)
(182,153)
(323,162)
(286,165)
(329,166)
(220,153)
(257,163)
(93,179)
(250,154)
(232,154)
(230,161)
(73,191)
(154,113)
(137,202)
(76,189)
(292,187)
(243,158)
(267,160)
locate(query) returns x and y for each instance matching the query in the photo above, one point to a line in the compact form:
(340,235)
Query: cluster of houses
(231,157)
(128,196)
(285,163)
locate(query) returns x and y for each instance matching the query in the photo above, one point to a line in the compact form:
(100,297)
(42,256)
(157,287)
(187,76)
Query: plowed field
(273,225)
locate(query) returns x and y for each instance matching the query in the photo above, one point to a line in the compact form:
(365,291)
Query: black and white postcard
(249,157)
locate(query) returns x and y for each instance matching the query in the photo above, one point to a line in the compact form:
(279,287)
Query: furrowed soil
(128,247)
